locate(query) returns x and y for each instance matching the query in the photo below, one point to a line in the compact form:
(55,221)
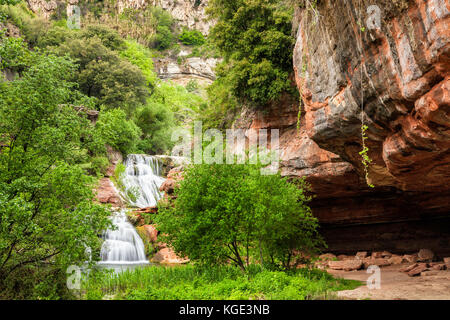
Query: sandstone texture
(107,193)
(396,78)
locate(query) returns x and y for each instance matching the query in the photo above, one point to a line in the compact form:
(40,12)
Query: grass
(213,283)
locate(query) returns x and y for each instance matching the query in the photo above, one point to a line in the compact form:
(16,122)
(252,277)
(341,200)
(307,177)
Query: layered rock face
(395,76)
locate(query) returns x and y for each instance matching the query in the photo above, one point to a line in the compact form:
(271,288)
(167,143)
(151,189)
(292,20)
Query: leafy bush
(255,40)
(117,131)
(236,214)
(191,37)
(142,58)
(163,39)
(156,122)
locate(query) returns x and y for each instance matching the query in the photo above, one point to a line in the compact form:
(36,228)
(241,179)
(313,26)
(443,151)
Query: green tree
(255,39)
(233,213)
(47,217)
(117,131)
(156,122)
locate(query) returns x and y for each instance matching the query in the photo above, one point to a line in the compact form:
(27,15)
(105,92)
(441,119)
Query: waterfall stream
(142,177)
(122,245)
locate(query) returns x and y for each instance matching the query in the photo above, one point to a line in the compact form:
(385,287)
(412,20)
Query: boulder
(438,266)
(151,233)
(167,256)
(347,265)
(168,186)
(447,262)
(327,256)
(107,193)
(421,267)
(395,259)
(409,268)
(411,258)
(380,262)
(425,255)
(361,255)
(376,255)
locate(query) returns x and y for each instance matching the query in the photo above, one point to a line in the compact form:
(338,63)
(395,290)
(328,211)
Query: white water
(143,174)
(123,245)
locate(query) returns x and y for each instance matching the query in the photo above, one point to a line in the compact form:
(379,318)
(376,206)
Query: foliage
(156,122)
(163,39)
(255,39)
(115,82)
(117,131)
(218,283)
(142,58)
(365,159)
(234,213)
(47,216)
(191,37)
(14,54)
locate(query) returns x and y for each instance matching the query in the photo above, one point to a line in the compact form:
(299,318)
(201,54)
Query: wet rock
(150,210)
(107,193)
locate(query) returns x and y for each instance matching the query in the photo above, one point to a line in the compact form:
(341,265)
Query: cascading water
(143,176)
(123,245)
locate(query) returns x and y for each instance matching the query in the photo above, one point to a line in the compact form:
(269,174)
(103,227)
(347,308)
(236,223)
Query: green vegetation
(225,283)
(191,37)
(47,217)
(255,39)
(245,233)
(237,215)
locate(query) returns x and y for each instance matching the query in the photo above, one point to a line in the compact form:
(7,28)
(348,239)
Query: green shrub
(163,39)
(117,131)
(191,37)
(236,214)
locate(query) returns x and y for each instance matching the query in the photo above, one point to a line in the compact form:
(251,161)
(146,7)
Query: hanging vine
(364,153)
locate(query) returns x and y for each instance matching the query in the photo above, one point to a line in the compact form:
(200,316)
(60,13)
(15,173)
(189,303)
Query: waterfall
(122,245)
(143,176)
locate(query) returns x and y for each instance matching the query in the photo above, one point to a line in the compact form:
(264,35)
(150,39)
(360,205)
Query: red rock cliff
(397,77)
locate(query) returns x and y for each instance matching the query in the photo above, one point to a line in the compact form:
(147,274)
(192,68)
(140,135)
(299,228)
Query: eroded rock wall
(397,77)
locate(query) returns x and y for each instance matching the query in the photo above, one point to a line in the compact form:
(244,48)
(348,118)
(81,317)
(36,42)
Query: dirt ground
(396,285)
